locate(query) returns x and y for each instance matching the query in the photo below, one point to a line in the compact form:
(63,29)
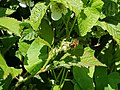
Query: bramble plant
(59,44)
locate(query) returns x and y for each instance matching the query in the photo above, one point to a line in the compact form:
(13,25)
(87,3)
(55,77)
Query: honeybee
(74,43)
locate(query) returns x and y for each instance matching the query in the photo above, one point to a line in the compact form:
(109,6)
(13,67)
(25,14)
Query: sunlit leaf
(87,20)
(37,14)
(109,88)
(8,70)
(36,55)
(28,34)
(56,87)
(4,66)
(11,24)
(5,11)
(57,10)
(114,30)
(74,5)
(23,47)
(88,58)
(98,4)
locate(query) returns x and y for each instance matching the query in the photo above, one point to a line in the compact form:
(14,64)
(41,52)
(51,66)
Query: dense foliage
(59,44)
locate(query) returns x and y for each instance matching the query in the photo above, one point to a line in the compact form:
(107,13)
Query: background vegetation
(59,44)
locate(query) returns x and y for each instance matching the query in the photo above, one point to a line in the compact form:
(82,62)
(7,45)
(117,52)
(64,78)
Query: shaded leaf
(114,80)
(77,87)
(7,43)
(4,84)
(110,8)
(82,78)
(100,77)
(46,32)
(11,24)
(108,51)
(106,81)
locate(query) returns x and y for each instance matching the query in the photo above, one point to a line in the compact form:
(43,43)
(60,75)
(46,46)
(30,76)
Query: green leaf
(78,51)
(4,66)
(109,88)
(112,29)
(77,87)
(100,77)
(36,55)
(37,14)
(87,19)
(108,51)
(74,5)
(28,34)
(5,84)
(110,8)
(11,24)
(88,58)
(106,81)
(82,78)
(5,11)
(8,70)
(98,4)
(23,47)
(56,15)
(15,72)
(46,32)
(56,87)
(7,43)
(57,10)
(91,71)
(114,80)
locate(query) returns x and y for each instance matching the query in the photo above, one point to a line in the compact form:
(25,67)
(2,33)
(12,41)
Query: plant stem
(63,74)
(54,74)
(42,69)
(64,79)
(20,82)
(59,73)
(72,27)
